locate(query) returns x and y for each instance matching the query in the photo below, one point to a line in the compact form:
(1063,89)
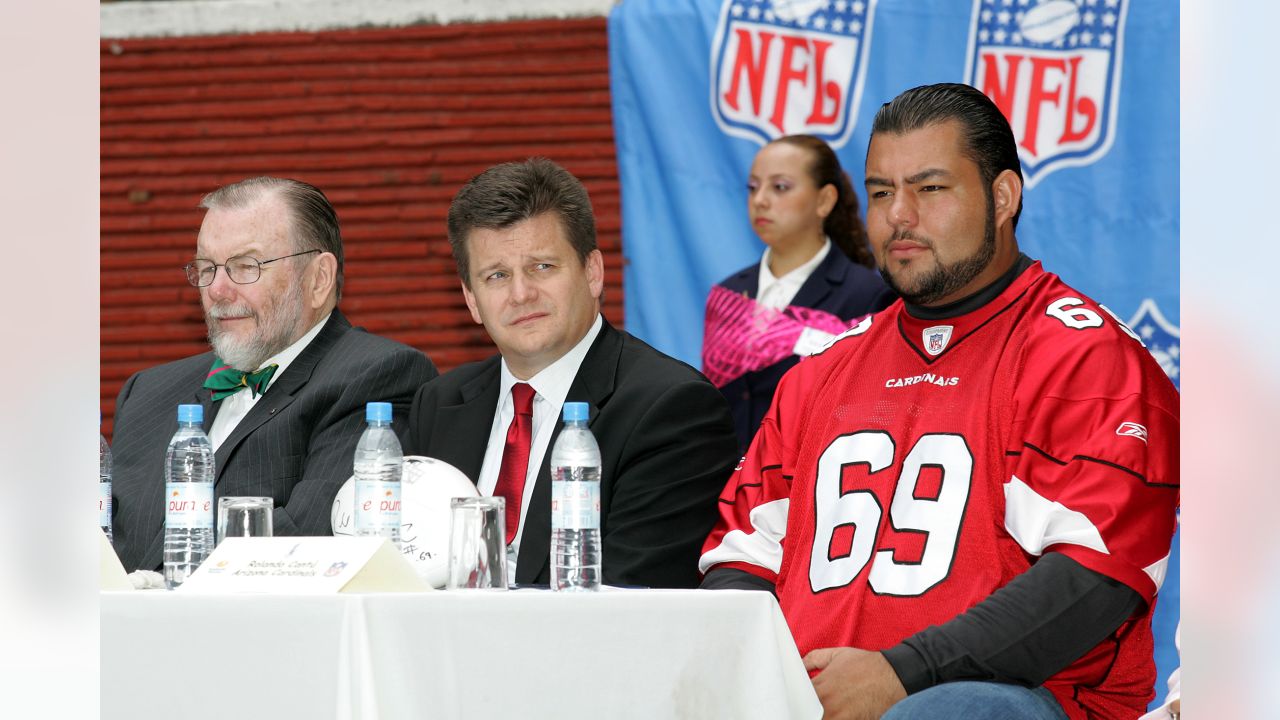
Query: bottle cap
(377,412)
(190,413)
(576,411)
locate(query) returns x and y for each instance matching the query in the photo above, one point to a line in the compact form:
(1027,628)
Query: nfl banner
(789,68)
(1089,86)
(1053,69)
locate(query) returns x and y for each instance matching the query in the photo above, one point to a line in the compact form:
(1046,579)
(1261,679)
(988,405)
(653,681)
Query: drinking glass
(244,517)
(478,543)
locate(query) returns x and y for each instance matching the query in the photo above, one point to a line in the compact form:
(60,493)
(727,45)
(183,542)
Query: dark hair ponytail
(843,225)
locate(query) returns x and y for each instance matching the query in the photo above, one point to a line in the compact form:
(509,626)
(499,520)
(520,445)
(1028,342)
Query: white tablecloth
(521,654)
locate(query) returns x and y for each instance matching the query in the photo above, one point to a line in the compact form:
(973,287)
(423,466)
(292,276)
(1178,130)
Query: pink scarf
(742,336)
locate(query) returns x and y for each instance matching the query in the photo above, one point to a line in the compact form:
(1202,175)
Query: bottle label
(377,506)
(188,506)
(104,504)
(575,505)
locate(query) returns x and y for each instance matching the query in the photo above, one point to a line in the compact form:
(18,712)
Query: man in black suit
(269,268)
(524,239)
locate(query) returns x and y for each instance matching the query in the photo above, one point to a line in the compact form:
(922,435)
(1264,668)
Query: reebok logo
(1132,429)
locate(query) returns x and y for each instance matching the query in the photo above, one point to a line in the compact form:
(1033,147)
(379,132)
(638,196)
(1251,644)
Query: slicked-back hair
(313,221)
(842,225)
(513,192)
(989,141)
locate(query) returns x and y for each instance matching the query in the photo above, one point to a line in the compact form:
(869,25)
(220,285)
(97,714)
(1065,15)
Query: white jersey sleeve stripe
(1036,522)
(1156,571)
(762,547)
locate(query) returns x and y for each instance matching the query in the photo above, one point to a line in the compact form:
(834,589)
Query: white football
(797,11)
(426,488)
(1049,20)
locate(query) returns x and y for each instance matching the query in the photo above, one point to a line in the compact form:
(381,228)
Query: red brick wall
(389,123)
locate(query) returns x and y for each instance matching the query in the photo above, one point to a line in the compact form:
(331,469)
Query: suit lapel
(460,432)
(593,385)
(821,282)
(204,396)
(281,393)
(744,281)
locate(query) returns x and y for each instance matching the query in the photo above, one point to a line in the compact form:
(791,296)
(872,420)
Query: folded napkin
(146,580)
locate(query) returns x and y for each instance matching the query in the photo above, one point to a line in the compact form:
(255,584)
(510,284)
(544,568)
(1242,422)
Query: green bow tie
(225,380)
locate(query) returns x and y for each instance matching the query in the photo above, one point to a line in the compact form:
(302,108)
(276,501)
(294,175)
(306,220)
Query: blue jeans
(973,700)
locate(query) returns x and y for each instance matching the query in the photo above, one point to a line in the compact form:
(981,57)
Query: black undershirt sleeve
(1041,622)
(734,579)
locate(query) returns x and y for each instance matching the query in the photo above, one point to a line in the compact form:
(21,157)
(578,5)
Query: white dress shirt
(777,293)
(235,407)
(551,386)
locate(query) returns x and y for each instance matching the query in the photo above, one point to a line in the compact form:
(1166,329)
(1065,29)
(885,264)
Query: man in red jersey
(964,504)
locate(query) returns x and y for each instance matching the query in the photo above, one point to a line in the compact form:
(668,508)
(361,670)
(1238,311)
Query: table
(519,654)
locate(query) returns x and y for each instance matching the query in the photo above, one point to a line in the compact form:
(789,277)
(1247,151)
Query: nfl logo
(1162,338)
(1053,68)
(781,67)
(936,339)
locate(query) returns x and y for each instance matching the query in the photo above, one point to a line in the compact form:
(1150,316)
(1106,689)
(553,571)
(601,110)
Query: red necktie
(515,456)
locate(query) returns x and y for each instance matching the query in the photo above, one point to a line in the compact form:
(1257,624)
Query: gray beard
(275,333)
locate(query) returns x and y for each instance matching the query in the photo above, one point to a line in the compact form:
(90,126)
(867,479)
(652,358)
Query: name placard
(111,574)
(304,565)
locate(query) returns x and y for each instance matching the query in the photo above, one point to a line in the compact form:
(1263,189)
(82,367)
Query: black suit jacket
(295,445)
(838,286)
(666,447)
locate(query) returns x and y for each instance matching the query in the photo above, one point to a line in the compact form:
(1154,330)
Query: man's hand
(853,683)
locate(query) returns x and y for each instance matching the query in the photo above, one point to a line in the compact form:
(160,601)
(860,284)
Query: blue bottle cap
(190,413)
(576,411)
(377,412)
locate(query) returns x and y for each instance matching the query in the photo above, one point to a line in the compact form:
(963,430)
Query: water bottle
(104,483)
(575,504)
(188,495)
(378,464)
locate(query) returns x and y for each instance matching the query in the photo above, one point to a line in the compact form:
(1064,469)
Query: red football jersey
(913,467)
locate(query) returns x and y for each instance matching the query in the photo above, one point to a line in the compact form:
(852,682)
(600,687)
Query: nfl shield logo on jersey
(1163,339)
(781,67)
(1053,68)
(936,339)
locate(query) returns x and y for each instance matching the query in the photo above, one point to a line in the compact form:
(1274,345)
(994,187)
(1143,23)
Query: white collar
(286,356)
(553,381)
(796,277)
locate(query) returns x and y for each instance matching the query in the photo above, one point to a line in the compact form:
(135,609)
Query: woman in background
(814,281)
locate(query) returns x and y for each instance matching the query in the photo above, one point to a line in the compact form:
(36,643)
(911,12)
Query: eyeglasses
(242,269)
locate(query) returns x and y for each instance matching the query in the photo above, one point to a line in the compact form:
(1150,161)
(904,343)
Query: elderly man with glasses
(285,386)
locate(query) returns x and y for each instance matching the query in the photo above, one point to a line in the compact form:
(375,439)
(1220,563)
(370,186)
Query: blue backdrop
(1090,87)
